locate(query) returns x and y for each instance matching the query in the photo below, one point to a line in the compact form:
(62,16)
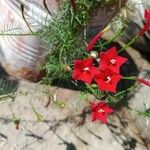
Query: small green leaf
(37,114)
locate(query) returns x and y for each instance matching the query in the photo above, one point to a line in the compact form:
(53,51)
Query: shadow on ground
(7,84)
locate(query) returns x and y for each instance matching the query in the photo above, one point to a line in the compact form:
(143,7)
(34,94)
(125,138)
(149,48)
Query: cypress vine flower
(84,70)
(100,111)
(147,24)
(111,59)
(93,41)
(144,81)
(96,38)
(107,80)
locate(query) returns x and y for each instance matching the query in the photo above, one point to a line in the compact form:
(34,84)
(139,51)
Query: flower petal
(110,59)
(100,111)
(147,15)
(144,29)
(102,118)
(144,82)
(93,41)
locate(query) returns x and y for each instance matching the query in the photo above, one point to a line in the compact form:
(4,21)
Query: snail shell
(22,55)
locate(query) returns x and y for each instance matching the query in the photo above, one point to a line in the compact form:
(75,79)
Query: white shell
(21,56)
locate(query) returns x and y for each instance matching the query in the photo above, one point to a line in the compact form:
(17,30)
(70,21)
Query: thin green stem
(129,44)
(127,90)
(129,78)
(114,37)
(8,34)
(91,89)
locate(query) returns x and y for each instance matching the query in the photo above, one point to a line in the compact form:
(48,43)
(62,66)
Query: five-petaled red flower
(147,24)
(111,59)
(100,111)
(107,80)
(84,70)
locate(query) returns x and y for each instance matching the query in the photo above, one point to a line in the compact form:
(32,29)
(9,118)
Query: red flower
(147,25)
(84,70)
(147,16)
(144,82)
(111,59)
(93,41)
(96,38)
(100,111)
(107,80)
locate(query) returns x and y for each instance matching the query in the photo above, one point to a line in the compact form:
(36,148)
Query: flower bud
(67,68)
(94,54)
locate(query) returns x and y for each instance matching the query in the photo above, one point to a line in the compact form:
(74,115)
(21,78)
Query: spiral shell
(21,55)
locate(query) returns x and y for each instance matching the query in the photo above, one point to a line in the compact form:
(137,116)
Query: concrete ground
(53,127)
